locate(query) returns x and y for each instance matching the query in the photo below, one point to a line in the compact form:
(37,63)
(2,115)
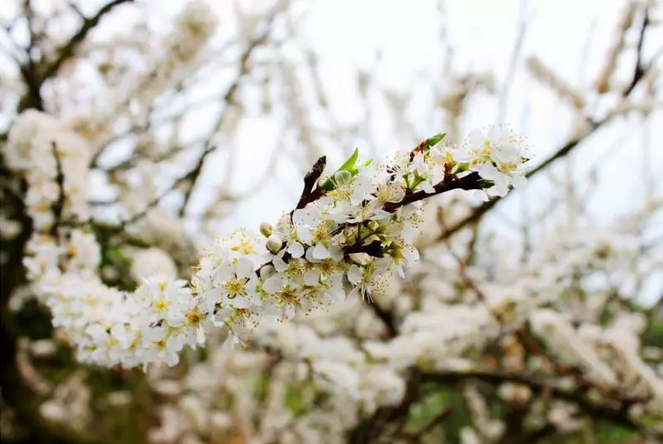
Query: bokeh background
(205,123)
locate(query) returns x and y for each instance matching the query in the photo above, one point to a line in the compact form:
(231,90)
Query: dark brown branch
(228,99)
(32,99)
(470,182)
(639,72)
(559,369)
(387,318)
(33,72)
(388,417)
(531,346)
(154,202)
(192,177)
(308,193)
(603,81)
(613,410)
(16,393)
(430,425)
(373,249)
(481,210)
(69,48)
(58,205)
(639,68)
(536,435)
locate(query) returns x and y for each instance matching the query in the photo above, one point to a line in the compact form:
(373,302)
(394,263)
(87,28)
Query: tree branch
(369,430)
(69,48)
(308,194)
(58,205)
(387,318)
(639,68)
(614,410)
(154,202)
(470,182)
(568,147)
(228,99)
(536,435)
(438,418)
(191,179)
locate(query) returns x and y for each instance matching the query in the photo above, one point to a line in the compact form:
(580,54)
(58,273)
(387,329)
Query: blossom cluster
(350,232)
(106,326)
(357,230)
(344,353)
(43,148)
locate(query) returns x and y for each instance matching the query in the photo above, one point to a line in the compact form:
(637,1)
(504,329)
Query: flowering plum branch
(538,332)
(349,232)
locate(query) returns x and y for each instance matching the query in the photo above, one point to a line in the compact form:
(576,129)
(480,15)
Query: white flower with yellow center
(236,286)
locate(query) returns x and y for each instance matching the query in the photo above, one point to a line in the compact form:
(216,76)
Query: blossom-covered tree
(384,304)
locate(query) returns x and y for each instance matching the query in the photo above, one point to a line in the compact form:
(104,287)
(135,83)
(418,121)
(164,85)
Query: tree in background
(120,159)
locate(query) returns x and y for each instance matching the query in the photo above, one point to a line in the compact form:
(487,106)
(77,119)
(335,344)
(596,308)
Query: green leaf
(461,168)
(113,256)
(432,141)
(262,388)
(294,400)
(328,184)
(351,164)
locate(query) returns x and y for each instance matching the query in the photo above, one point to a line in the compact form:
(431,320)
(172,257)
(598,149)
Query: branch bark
(639,72)
(68,49)
(611,410)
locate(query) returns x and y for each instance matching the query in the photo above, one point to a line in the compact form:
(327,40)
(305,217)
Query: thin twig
(193,177)
(515,55)
(308,193)
(470,182)
(604,79)
(58,205)
(69,48)
(430,425)
(228,99)
(520,336)
(639,69)
(617,414)
(536,435)
(564,150)
(154,202)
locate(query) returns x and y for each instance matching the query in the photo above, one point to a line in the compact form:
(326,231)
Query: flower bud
(342,177)
(274,244)
(267,271)
(266,229)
